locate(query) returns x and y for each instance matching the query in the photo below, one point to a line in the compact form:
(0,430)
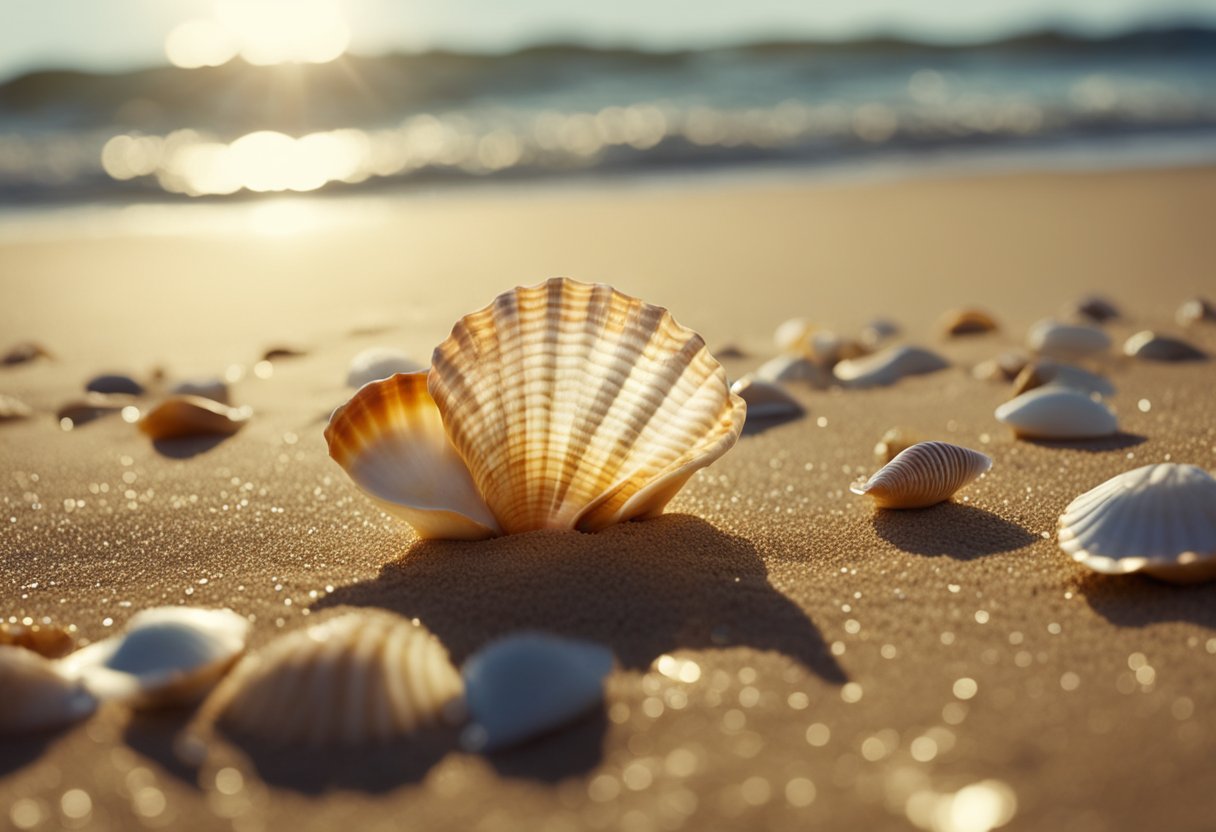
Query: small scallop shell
(12,408)
(1195,311)
(1094,308)
(1066,341)
(377,363)
(363,677)
(888,366)
(1153,347)
(43,639)
(528,684)
(1004,367)
(894,442)
(167,656)
(215,389)
(1158,519)
(1040,373)
(924,475)
(180,416)
(38,694)
(966,322)
(766,400)
(793,368)
(114,383)
(1057,413)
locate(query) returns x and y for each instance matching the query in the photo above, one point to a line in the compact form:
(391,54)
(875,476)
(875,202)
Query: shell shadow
(187,447)
(1139,600)
(955,530)
(573,750)
(153,734)
(1115,442)
(755,425)
(17,752)
(643,589)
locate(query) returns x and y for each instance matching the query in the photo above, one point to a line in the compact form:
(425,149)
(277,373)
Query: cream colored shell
(363,677)
(1052,412)
(1067,341)
(1157,519)
(888,366)
(923,475)
(1153,347)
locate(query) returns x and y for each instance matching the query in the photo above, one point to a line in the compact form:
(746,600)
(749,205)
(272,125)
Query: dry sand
(830,639)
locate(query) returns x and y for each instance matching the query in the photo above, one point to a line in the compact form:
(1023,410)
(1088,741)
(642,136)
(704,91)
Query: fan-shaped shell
(1158,519)
(1195,310)
(166,656)
(1153,347)
(1057,413)
(181,416)
(966,322)
(365,677)
(793,368)
(576,406)
(766,400)
(1042,372)
(390,439)
(923,475)
(1066,341)
(37,693)
(377,363)
(888,366)
(527,684)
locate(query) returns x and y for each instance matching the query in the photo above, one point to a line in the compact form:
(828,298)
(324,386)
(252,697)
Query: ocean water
(368,124)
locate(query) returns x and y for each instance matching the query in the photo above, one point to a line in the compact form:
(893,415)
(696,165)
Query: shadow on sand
(17,752)
(1138,600)
(955,530)
(1115,442)
(187,447)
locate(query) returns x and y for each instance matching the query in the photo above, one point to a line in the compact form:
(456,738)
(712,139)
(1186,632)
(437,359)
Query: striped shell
(888,366)
(1158,519)
(1153,347)
(37,693)
(1066,341)
(182,416)
(1053,412)
(923,475)
(363,677)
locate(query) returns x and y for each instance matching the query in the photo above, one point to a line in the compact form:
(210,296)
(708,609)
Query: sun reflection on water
(263,32)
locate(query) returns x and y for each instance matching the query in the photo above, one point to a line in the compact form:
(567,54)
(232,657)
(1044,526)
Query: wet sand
(830,640)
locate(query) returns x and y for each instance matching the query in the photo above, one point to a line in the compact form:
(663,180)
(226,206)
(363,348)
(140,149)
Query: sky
(113,35)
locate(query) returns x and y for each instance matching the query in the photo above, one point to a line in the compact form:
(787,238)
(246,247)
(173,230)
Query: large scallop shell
(1057,413)
(576,406)
(1158,519)
(1066,341)
(390,439)
(37,693)
(923,475)
(362,677)
(888,366)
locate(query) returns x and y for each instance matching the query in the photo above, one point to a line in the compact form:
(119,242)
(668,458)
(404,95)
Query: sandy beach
(854,668)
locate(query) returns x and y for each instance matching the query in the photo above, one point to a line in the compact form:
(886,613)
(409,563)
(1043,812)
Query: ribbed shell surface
(575,406)
(923,475)
(1159,519)
(366,677)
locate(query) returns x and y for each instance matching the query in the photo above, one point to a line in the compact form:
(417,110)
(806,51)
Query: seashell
(363,677)
(377,363)
(793,368)
(1066,341)
(1153,347)
(877,331)
(888,366)
(966,322)
(181,416)
(43,639)
(794,336)
(215,389)
(391,441)
(12,408)
(1095,308)
(766,400)
(828,348)
(277,353)
(1042,372)
(114,383)
(1195,311)
(167,656)
(529,684)
(24,352)
(923,475)
(1004,367)
(576,407)
(37,694)
(93,406)
(1157,519)
(894,442)
(1057,413)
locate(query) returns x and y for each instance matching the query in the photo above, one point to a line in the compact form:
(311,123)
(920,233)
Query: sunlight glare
(197,43)
(281,31)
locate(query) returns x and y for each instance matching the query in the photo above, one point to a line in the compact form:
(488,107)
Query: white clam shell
(1057,413)
(1153,347)
(766,400)
(38,694)
(923,475)
(888,366)
(793,368)
(359,678)
(376,363)
(166,656)
(1158,519)
(1066,341)
(1042,372)
(528,684)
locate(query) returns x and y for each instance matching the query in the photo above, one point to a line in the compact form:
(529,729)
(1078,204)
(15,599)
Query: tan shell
(576,406)
(888,366)
(44,639)
(1067,341)
(1157,519)
(390,439)
(37,694)
(766,400)
(1153,347)
(180,416)
(1194,311)
(894,442)
(1004,367)
(1042,372)
(363,677)
(966,322)
(794,336)
(923,475)
(1057,413)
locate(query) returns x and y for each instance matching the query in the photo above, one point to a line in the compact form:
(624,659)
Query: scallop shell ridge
(923,475)
(575,406)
